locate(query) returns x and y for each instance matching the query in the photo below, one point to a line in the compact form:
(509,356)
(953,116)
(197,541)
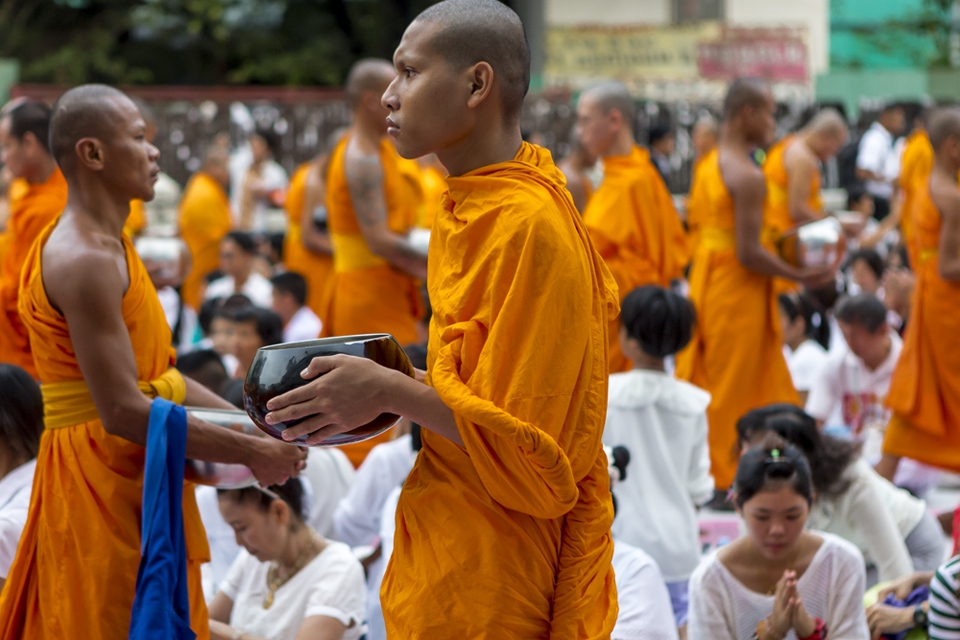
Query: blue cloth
(161,607)
(917,596)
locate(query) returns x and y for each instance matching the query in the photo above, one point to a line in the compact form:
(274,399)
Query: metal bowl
(813,244)
(219,475)
(276,370)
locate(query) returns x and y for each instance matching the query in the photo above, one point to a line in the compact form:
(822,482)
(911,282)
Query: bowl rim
(319,342)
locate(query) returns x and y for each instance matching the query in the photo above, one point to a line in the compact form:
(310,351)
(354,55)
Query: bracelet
(819,631)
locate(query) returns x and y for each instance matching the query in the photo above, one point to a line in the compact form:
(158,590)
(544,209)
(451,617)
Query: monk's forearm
(316,242)
(764,262)
(397,251)
(421,404)
(213,443)
(199,396)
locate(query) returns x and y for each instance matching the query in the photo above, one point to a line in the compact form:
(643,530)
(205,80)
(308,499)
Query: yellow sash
(351,253)
(66,404)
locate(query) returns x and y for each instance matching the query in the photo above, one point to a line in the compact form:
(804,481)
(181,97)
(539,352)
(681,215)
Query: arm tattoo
(365,182)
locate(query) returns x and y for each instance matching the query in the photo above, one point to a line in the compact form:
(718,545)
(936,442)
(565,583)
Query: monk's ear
(481,84)
(90,153)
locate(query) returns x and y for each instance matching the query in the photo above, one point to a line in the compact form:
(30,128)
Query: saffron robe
(316,269)
(204,220)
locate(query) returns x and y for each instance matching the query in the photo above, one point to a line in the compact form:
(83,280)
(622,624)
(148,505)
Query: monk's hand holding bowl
(346,392)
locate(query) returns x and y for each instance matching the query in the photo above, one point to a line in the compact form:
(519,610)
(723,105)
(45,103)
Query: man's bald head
(944,125)
(473,31)
(87,111)
(828,122)
(610,95)
(368,75)
(744,92)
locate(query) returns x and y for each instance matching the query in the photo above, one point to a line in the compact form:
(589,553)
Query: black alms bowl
(276,370)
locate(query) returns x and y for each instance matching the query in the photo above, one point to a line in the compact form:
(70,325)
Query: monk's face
(775,518)
(596,129)
(428,98)
(703,139)
(129,160)
(829,144)
(760,124)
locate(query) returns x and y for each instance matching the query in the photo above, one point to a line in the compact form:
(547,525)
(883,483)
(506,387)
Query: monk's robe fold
(509,536)
(33,208)
(316,269)
(636,229)
(925,388)
(737,350)
(369,294)
(75,572)
(137,220)
(204,220)
(434,186)
(916,163)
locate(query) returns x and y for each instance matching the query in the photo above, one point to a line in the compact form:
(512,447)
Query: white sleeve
(825,390)
(847,618)
(808,369)
(230,586)
(356,520)
(707,617)
(645,609)
(340,593)
(10,530)
(868,514)
(700,483)
(872,154)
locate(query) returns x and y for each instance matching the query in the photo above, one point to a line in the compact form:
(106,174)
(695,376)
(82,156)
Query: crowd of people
(815,400)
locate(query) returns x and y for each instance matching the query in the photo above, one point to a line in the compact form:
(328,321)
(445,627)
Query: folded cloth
(917,596)
(161,607)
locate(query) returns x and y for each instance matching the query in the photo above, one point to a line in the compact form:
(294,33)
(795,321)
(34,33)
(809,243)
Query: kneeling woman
(288,583)
(778,581)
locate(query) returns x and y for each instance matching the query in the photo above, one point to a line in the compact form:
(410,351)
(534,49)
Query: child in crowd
(779,580)
(866,271)
(806,338)
(290,303)
(662,421)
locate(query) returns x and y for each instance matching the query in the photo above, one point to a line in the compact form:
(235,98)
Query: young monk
(925,388)
(916,163)
(102,346)
(24,151)
(736,353)
(503,524)
(631,217)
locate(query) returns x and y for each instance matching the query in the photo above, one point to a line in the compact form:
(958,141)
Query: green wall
(9,76)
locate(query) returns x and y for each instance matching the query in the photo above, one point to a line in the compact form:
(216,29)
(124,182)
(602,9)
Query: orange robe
(434,186)
(635,227)
(204,220)
(695,206)
(30,212)
(316,269)
(76,567)
(509,537)
(737,350)
(370,295)
(137,220)
(915,167)
(925,388)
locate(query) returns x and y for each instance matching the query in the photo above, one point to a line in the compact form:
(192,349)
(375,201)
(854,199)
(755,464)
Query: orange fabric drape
(509,537)
(137,220)
(316,269)
(915,167)
(204,220)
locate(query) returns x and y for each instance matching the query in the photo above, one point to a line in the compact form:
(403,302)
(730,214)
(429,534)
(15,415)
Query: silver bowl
(217,474)
(819,243)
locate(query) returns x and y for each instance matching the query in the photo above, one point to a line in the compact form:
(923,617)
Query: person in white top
(290,303)
(778,581)
(893,529)
(263,183)
(288,582)
(21,424)
(237,253)
(878,163)
(645,610)
(806,338)
(662,421)
(856,380)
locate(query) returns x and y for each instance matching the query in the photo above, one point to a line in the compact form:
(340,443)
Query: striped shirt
(944,603)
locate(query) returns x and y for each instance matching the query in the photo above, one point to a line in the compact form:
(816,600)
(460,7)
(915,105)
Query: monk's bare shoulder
(946,197)
(80,269)
(798,155)
(741,176)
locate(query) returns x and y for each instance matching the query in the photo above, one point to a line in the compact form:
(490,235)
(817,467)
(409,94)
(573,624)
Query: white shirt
(172,304)
(330,585)
(832,587)
(645,609)
(330,475)
(356,520)
(805,364)
(875,516)
(376,629)
(304,325)
(257,288)
(877,154)
(662,421)
(15,488)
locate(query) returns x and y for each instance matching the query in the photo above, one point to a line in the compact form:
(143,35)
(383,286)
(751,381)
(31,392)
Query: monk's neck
(736,142)
(42,172)
(622,145)
(482,149)
(97,203)
(945,170)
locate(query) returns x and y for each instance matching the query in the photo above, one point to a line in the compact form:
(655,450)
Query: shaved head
(944,124)
(828,122)
(368,75)
(610,95)
(744,92)
(87,111)
(473,31)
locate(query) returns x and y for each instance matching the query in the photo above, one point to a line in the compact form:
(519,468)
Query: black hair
(208,311)
(243,240)
(659,319)
(269,136)
(236,301)
(801,305)
(205,366)
(855,193)
(864,309)
(827,456)
(31,117)
(773,461)
(291,492)
(872,258)
(900,251)
(269,326)
(213,276)
(21,412)
(293,283)
(658,133)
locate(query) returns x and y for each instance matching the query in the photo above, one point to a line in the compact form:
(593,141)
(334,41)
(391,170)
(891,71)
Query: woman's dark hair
(872,260)
(828,457)
(269,325)
(773,461)
(244,240)
(800,305)
(291,492)
(21,412)
(270,137)
(659,319)
(855,194)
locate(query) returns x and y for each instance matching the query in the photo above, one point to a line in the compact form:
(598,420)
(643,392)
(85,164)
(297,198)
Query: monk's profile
(503,526)
(102,349)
